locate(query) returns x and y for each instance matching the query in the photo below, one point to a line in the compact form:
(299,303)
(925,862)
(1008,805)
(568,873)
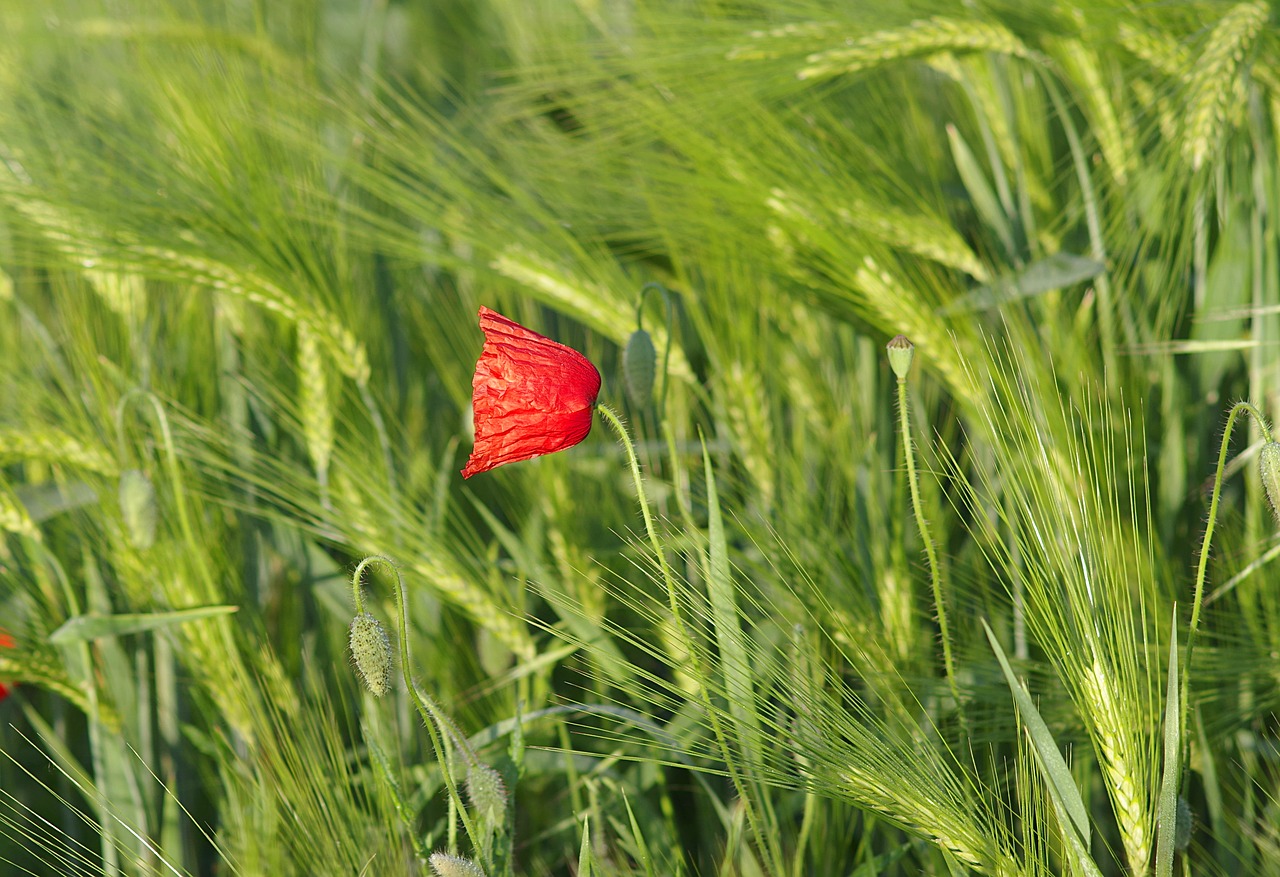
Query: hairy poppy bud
(138,507)
(639,365)
(487,792)
(372,653)
(1182,825)
(530,395)
(446,865)
(901,351)
(1269,467)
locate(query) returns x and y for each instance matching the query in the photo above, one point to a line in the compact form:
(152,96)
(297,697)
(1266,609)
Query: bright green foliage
(242,248)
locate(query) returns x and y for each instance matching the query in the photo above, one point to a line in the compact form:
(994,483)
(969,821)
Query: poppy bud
(1182,826)
(1269,467)
(446,865)
(901,351)
(372,653)
(487,792)
(639,364)
(138,508)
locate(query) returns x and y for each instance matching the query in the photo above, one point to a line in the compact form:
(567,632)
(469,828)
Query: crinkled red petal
(530,395)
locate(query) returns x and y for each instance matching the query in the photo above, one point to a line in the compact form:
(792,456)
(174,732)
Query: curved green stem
(700,672)
(1197,598)
(668,580)
(438,725)
(935,571)
(1213,513)
(666,356)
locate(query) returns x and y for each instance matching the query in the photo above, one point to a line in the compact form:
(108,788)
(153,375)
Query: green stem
(700,672)
(667,578)
(438,725)
(1213,514)
(1204,557)
(935,571)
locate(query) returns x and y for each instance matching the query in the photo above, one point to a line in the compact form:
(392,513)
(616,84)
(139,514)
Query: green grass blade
(1168,803)
(1062,788)
(92,626)
(728,628)
(980,192)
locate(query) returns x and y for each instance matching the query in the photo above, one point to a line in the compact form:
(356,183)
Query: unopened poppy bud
(138,508)
(901,351)
(372,653)
(487,792)
(1269,467)
(639,365)
(1182,825)
(446,865)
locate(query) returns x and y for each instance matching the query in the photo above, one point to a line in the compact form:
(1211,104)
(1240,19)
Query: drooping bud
(487,792)
(639,366)
(1269,467)
(901,351)
(446,865)
(1182,824)
(372,653)
(138,508)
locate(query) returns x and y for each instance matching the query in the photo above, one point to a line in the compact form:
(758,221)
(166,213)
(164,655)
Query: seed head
(639,365)
(138,508)
(901,351)
(487,792)
(372,653)
(1182,825)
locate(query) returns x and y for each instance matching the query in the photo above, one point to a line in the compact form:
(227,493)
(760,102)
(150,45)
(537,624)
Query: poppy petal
(530,395)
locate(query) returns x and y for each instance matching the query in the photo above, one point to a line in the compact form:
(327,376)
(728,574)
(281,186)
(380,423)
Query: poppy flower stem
(670,328)
(700,672)
(931,554)
(439,725)
(616,423)
(1203,566)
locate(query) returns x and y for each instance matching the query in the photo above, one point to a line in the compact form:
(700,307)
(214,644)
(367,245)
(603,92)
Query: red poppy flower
(530,395)
(6,642)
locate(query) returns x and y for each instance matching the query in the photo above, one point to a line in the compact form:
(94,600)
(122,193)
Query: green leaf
(1062,788)
(981,194)
(728,629)
(1167,804)
(585,858)
(44,501)
(93,626)
(1043,275)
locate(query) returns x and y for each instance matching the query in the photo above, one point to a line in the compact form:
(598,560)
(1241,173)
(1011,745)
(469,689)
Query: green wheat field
(1009,608)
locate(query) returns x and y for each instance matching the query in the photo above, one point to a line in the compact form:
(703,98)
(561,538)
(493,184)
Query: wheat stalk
(1156,48)
(1214,88)
(748,414)
(316,411)
(1114,741)
(50,445)
(923,37)
(14,517)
